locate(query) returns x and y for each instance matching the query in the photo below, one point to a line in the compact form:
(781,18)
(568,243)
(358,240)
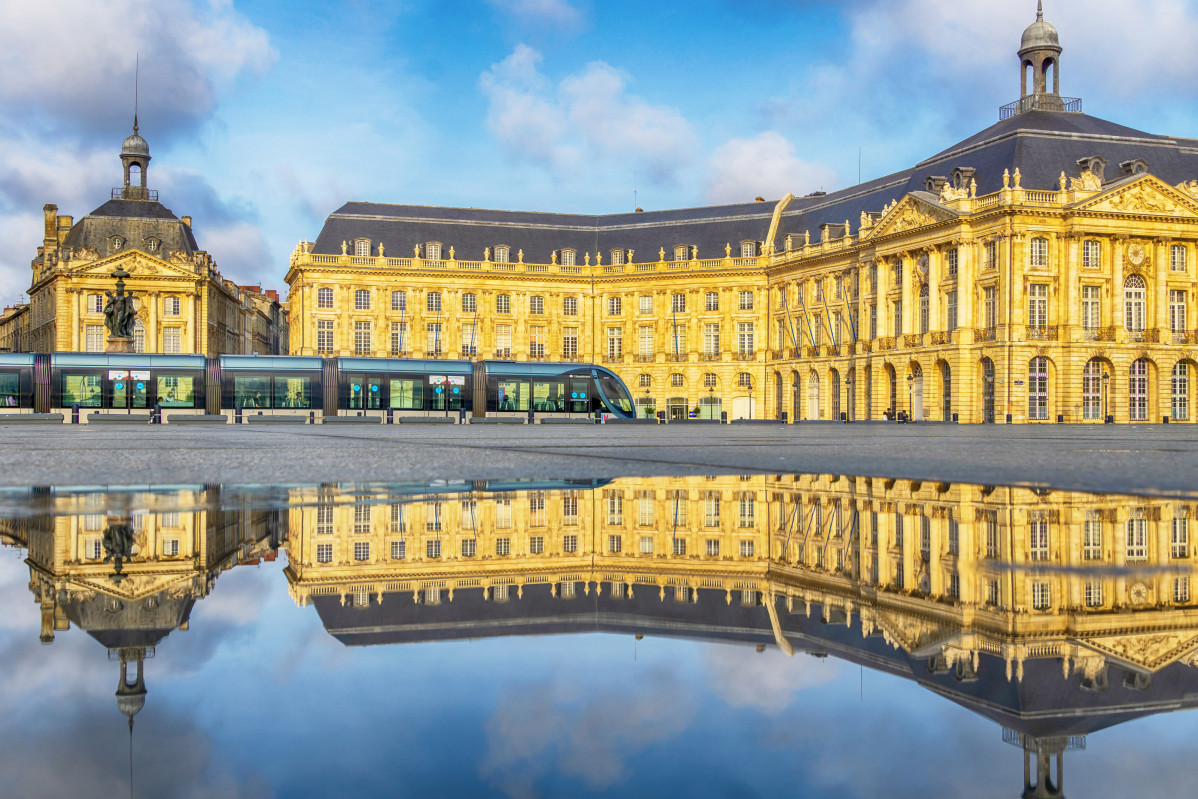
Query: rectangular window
(361,550)
(95,303)
(1038,537)
(469,339)
(503,303)
(615,507)
(362,300)
(711,301)
(536,509)
(1091,254)
(745,302)
(924,321)
(950,262)
(681,252)
(645,303)
(1041,596)
(951,311)
(570,508)
(503,546)
(570,544)
(1137,536)
(644,341)
(677,303)
(324,520)
(432,251)
(399,550)
(170,547)
(1093,596)
(172,340)
(361,338)
(992,594)
(398,331)
(615,544)
(469,303)
(748,249)
(361,517)
(399,301)
(569,306)
(992,544)
(503,341)
(568,257)
(536,341)
(570,343)
(536,544)
(1091,307)
(617,257)
(432,302)
(711,339)
(432,517)
(1037,305)
(679,546)
(747,507)
(503,512)
(646,545)
(1181,589)
(1179,542)
(1177,310)
(989,309)
(1038,252)
(397,518)
(711,509)
(644,508)
(713,547)
(94,338)
(614,306)
(432,549)
(873,320)
(1092,536)
(432,338)
(1177,258)
(897,311)
(677,341)
(324,553)
(171,306)
(744,338)
(324,298)
(615,342)
(536,304)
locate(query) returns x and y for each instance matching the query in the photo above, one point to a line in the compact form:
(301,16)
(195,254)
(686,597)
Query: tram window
(579,397)
(251,392)
(81,390)
(442,386)
(129,389)
(407,394)
(616,394)
(176,392)
(10,390)
(512,395)
(364,392)
(293,392)
(548,397)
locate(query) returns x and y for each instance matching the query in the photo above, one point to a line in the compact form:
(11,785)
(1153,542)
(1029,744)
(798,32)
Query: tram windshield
(615,393)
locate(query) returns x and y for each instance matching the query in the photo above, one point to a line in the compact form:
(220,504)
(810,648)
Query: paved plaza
(1152,459)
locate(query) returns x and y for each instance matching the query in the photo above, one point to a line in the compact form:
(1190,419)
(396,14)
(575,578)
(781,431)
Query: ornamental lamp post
(1106,379)
(910,396)
(711,402)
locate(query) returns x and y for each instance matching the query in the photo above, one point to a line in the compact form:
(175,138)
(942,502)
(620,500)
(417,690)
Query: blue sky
(264,116)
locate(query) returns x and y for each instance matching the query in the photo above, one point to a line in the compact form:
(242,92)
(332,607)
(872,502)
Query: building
(183,304)
(1055,614)
(1042,268)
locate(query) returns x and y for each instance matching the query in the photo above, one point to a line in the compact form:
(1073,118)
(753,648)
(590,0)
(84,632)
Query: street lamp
(646,400)
(910,395)
(711,402)
(1106,379)
(852,405)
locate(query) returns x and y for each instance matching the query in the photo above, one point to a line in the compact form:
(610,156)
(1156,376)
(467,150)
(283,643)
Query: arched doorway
(916,392)
(834,387)
(778,395)
(1179,390)
(987,391)
(892,389)
(796,397)
(676,408)
(1093,390)
(1037,389)
(1137,391)
(813,395)
(850,387)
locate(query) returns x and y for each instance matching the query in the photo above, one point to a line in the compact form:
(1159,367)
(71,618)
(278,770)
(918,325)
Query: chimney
(186,220)
(51,211)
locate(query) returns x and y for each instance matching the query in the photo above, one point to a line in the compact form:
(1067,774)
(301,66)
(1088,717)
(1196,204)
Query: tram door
(987,391)
(129,389)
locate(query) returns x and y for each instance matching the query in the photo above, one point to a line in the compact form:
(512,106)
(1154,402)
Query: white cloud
(555,12)
(765,165)
(767,680)
(588,116)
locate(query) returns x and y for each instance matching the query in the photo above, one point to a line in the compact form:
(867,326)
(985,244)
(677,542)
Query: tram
(301,386)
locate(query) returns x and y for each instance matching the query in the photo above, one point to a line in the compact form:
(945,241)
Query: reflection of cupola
(1040,66)
(131,695)
(135,156)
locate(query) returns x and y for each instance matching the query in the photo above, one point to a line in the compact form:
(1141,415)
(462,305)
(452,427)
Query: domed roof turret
(135,145)
(1040,34)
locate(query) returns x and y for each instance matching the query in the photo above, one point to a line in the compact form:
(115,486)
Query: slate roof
(134,220)
(1041,144)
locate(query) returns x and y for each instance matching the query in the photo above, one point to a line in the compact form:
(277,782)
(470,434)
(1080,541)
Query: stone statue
(118,547)
(119,314)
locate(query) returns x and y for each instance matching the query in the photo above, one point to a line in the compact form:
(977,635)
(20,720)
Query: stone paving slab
(1160,459)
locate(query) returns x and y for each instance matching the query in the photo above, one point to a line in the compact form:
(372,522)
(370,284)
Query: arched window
(1092,390)
(1137,391)
(676,380)
(502,254)
(1181,391)
(1133,304)
(744,380)
(709,380)
(646,381)
(1037,388)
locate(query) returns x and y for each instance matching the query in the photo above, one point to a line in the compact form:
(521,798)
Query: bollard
(1164,420)
(598,417)
(390,416)
(784,417)
(461,416)
(237,414)
(1060,418)
(1110,419)
(1009,418)
(955,420)
(531,416)
(661,417)
(844,417)
(75,413)
(157,417)
(311,417)
(723,417)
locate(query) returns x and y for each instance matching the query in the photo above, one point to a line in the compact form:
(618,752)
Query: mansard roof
(1041,144)
(135,220)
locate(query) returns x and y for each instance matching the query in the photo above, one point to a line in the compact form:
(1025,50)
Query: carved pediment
(137,264)
(1152,651)
(911,213)
(1147,195)
(913,634)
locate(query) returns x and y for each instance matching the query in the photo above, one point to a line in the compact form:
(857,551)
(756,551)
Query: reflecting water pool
(707,636)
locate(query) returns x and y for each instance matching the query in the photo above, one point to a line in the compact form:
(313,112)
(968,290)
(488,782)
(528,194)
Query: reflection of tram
(303,386)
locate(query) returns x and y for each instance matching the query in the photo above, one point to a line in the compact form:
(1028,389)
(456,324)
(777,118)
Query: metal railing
(1041,333)
(1040,102)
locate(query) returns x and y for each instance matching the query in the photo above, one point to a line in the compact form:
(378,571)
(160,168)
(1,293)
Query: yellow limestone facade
(1041,270)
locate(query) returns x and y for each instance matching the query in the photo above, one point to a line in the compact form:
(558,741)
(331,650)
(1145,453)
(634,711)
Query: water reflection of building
(179,543)
(1055,614)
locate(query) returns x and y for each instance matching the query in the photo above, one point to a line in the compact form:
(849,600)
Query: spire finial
(136,75)
(1039,10)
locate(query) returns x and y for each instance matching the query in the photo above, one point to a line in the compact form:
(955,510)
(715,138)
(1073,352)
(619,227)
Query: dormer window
(617,257)
(152,244)
(362,248)
(748,249)
(432,251)
(117,243)
(568,258)
(681,252)
(503,254)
